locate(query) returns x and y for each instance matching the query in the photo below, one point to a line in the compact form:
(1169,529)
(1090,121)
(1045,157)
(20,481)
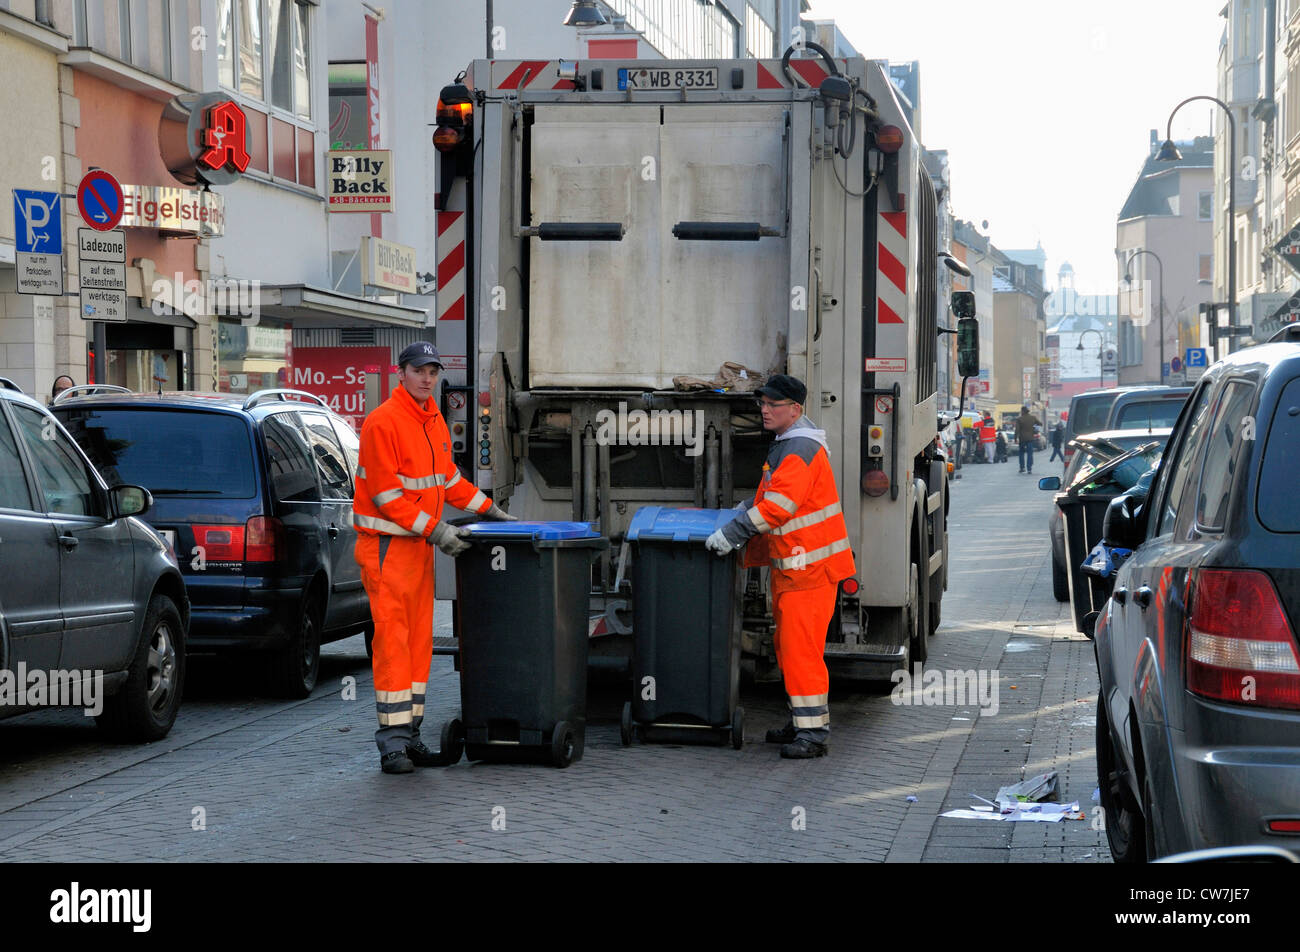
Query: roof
(187,399)
(1157,183)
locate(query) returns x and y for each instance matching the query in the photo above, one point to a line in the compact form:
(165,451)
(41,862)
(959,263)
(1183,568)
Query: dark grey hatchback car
(93,610)
(1198,721)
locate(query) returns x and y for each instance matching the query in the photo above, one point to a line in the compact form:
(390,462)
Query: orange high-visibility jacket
(405,471)
(795,524)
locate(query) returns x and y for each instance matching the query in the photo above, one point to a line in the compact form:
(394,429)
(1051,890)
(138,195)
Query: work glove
(448,538)
(718,543)
(497,514)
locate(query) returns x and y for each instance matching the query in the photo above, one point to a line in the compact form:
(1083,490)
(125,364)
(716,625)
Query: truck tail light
(1240,646)
(889,139)
(875,482)
(851,586)
(264,539)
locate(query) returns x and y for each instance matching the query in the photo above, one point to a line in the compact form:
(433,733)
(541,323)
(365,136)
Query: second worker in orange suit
(795,525)
(405,474)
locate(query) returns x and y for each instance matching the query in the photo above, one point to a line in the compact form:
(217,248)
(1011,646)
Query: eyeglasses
(768,404)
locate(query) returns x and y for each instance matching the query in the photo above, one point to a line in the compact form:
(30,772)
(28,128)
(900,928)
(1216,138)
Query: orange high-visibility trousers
(397,572)
(802,617)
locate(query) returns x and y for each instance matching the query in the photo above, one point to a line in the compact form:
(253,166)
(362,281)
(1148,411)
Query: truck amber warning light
(455,117)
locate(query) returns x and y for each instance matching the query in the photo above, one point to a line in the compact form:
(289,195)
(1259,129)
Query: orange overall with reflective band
(405,473)
(796,527)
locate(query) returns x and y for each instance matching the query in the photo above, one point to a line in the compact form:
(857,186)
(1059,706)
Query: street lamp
(585,13)
(1169,153)
(1128,279)
(1101,348)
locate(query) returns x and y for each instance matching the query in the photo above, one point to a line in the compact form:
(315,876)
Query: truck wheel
(145,707)
(295,667)
(918,618)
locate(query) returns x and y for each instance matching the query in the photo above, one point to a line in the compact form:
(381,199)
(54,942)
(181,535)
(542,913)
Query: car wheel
(1060,582)
(295,667)
(145,707)
(1125,827)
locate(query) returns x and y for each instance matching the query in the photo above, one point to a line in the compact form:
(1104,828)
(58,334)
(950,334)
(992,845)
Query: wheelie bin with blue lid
(686,621)
(523,589)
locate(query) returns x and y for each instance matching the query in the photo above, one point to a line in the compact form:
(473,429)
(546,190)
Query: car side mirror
(1125,524)
(1052,483)
(129,501)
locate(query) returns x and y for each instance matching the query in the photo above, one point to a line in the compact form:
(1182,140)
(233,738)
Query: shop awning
(308,306)
(1288,249)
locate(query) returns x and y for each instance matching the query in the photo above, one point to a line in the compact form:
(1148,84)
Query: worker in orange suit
(796,525)
(405,473)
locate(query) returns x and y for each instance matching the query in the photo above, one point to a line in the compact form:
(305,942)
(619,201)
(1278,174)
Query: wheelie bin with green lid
(686,620)
(523,590)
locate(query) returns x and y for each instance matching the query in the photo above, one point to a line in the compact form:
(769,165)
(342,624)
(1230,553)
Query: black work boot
(396,761)
(781,735)
(420,755)
(804,749)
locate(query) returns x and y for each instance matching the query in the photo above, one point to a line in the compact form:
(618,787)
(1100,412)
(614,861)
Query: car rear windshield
(1157,413)
(1276,503)
(1088,415)
(169,452)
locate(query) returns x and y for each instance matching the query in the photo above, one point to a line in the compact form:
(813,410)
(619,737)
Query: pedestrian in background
(988,436)
(1025,436)
(1058,433)
(796,526)
(61,383)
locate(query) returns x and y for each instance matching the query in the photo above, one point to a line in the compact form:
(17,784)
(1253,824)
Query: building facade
(1165,260)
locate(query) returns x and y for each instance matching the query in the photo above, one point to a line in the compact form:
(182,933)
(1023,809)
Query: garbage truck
(626,247)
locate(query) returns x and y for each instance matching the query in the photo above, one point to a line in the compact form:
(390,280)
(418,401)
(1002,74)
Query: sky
(1045,107)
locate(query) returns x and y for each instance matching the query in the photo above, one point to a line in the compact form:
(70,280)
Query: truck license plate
(668,78)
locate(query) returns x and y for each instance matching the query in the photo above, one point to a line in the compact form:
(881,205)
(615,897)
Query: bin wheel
(625,725)
(738,728)
(563,745)
(452,744)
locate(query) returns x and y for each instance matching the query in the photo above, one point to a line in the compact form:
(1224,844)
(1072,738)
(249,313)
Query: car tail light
(1240,646)
(220,543)
(264,539)
(1284,826)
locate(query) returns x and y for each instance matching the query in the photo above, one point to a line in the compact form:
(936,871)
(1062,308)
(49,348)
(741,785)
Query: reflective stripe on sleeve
(361,472)
(381,525)
(421,482)
(423,518)
(804,559)
(454,479)
(821,515)
(785,502)
(386,497)
(477,502)
(759,523)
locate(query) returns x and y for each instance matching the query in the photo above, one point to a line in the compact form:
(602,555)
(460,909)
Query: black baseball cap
(419,354)
(784,387)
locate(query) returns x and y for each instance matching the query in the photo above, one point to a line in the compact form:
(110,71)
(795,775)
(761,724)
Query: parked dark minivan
(254,494)
(1198,719)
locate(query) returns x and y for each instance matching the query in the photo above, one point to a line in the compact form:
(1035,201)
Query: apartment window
(1205,205)
(760,37)
(1205,269)
(263,50)
(273,39)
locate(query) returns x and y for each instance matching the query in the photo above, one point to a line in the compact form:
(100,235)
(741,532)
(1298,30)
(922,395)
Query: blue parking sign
(38,222)
(1197,357)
